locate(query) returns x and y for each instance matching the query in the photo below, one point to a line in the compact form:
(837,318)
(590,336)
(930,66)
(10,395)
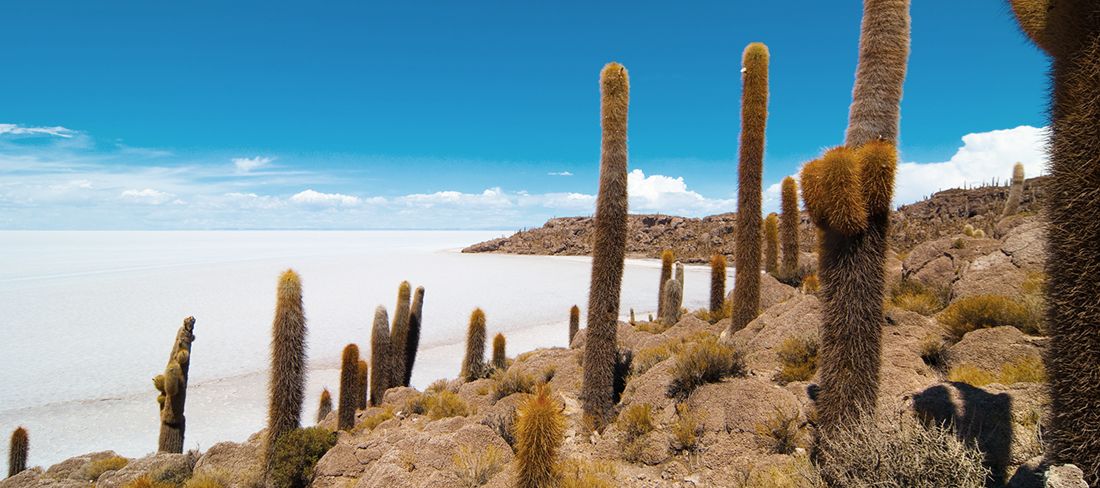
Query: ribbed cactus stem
(788,228)
(673,299)
(17,451)
(473,364)
(500,359)
(1015,191)
(363,377)
(608,249)
(399,334)
(754,116)
(286,389)
(771,243)
(540,432)
(717,284)
(381,356)
(412,343)
(667,258)
(172,386)
(350,387)
(574,322)
(324,406)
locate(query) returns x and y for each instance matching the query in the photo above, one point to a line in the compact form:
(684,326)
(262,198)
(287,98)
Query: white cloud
(311,197)
(149,196)
(19,130)
(559,173)
(244,165)
(493,197)
(665,194)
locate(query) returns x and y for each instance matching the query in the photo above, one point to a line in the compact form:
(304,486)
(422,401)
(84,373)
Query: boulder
(160,466)
(992,348)
(240,464)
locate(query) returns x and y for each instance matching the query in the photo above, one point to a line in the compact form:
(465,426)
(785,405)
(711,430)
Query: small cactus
(574,322)
(172,386)
(350,387)
(363,379)
(667,258)
(673,300)
(500,360)
(474,362)
(381,355)
(540,432)
(717,284)
(968,230)
(1015,191)
(632,321)
(788,228)
(286,389)
(324,407)
(399,334)
(416,315)
(17,453)
(771,244)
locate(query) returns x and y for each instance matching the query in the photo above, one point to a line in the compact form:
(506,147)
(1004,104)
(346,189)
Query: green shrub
(511,381)
(296,454)
(706,361)
(983,311)
(797,359)
(114,463)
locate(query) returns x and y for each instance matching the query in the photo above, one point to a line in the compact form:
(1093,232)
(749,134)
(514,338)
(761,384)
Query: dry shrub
(687,429)
(653,327)
(475,466)
(798,472)
(437,404)
(984,311)
(636,421)
(96,469)
(375,420)
(915,296)
(810,284)
(438,386)
(648,357)
(588,474)
(511,381)
(1025,370)
(702,362)
(899,453)
(797,359)
(971,375)
(208,480)
(781,433)
(933,351)
(145,481)
(504,424)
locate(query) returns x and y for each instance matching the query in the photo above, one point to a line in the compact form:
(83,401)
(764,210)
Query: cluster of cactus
(788,228)
(771,244)
(286,388)
(17,452)
(473,363)
(1069,32)
(172,386)
(754,116)
(970,231)
(667,258)
(350,387)
(539,432)
(717,284)
(574,322)
(608,249)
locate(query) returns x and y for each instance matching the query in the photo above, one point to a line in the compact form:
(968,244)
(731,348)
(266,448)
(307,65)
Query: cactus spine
(754,116)
(474,362)
(1069,31)
(540,431)
(667,258)
(363,383)
(788,228)
(350,387)
(771,244)
(717,285)
(399,335)
(416,314)
(325,406)
(286,388)
(381,356)
(608,250)
(1015,192)
(574,322)
(172,386)
(500,359)
(883,58)
(17,452)
(673,299)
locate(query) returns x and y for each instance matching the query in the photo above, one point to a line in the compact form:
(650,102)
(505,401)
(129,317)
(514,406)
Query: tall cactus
(574,322)
(172,386)
(754,117)
(473,363)
(412,342)
(608,250)
(350,386)
(500,359)
(1069,32)
(286,388)
(667,258)
(788,228)
(674,296)
(883,59)
(399,334)
(540,432)
(363,390)
(771,244)
(1015,191)
(324,406)
(17,452)
(717,285)
(381,356)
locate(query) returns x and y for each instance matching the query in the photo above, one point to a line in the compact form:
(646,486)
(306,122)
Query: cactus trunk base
(171,437)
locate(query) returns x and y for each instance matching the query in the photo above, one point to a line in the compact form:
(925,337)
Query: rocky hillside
(695,240)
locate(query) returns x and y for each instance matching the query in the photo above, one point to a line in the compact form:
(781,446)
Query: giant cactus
(381,356)
(363,377)
(788,229)
(412,342)
(172,386)
(17,451)
(717,285)
(399,334)
(754,117)
(500,358)
(608,249)
(350,387)
(286,388)
(1069,32)
(771,244)
(1015,191)
(324,405)
(667,258)
(574,322)
(473,363)
(674,296)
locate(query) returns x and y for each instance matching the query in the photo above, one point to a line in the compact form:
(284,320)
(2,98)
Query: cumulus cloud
(18,130)
(493,197)
(311,197)
(148,196)
(559,173)
(244,165)
(665,194)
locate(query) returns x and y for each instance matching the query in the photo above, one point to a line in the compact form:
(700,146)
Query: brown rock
(990,349)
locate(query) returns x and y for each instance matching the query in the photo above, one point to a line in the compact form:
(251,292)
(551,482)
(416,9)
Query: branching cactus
(399,334)
(324,406)
(349,387)
(771,244)
(363,379)
(381,356)
(754,116)
(172,386)
(1015,191)
(473,364)
(673,300)
(412,343)
(608,249)
(574,322)
(717,285)
(848,194)
(500,359)
(667,258)
(540,432)
(17,452)
(286,389)
(788,228)
(1069,32)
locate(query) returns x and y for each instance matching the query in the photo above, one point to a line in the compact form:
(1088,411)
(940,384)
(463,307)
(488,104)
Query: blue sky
(213,114)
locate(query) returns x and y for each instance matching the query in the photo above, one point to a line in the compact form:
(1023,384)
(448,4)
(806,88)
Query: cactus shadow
(980,418)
